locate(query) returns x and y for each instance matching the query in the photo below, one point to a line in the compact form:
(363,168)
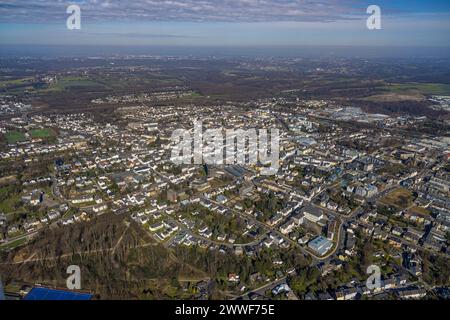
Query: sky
(229,23)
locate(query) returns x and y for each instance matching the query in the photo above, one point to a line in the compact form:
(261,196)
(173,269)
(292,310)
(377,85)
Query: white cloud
(20,11)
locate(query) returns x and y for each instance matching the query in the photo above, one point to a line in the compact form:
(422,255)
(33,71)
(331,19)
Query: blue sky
(226,23)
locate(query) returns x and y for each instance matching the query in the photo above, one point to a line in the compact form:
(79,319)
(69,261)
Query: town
(351,189)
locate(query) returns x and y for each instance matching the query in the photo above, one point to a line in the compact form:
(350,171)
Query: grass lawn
(10,204)
(424,88)
(14,137)
(42,133)
(10,199)
(13,82)
(68,83)
(13,244)
(400,198)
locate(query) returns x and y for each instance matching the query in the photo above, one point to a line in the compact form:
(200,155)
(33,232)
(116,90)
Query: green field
(424,88)
(9,205)
(110,83)
(14,137)
(97,82)
(68,83)
(13,244)
(16,86)
(42,133)
(13,82)
(10,198)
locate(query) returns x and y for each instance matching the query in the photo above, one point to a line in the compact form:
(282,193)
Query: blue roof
(320,244)
(53,294)
(319,241)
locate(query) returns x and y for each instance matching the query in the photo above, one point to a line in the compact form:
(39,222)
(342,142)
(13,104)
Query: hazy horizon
(224,51)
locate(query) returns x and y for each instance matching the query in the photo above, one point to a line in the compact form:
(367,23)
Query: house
(413,235)
(274,220)
(350,244)
(2,219)
(389,283)
(281,288)
(402,279)
(332,227)
(378,233)
(12,230)
(396,243)
(417,217)
(221,237)
(432,244)
(298,218)
(254,277)
(366,191)
(245,189)
(233,277)
(207,233)
(98,199)
(172,195)
(325,296)
(440,183)
(313,214)
(364,290)
(82,199)
(291,271)
(346,294)
(397,231)
(221,199)
(142,220)
(53,214)
(238,250)
(416,293)
(288,227)
(99,208)
(156,226)
(303,240)
(331,205)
